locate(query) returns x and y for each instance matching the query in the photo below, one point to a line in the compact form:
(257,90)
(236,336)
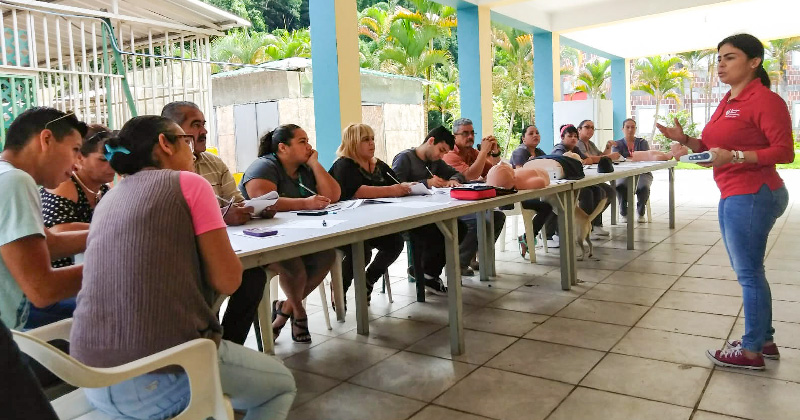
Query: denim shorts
(153,396)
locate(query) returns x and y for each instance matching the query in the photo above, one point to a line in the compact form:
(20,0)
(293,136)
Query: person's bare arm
(326,184)
(65,244)
(397,190)
(28,261)
(258,187)
(221,266)
(69,227)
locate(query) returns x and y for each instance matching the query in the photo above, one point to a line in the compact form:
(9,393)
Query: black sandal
(304,336)
(276,311)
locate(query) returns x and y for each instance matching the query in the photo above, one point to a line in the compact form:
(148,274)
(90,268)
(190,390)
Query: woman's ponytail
(762,74)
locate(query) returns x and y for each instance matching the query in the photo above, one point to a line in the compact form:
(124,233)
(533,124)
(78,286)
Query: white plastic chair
(197,357)
(338,288)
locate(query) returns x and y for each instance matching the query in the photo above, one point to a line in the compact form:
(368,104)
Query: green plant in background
(660,78)
(691,59)
(284,44)
(444,100)
(240,47)
(512,75)
(684,117)
(595,79)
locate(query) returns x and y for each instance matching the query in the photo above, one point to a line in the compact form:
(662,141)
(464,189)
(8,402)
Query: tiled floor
(627,343)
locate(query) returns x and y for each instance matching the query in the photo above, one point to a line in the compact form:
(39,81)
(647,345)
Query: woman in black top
(361,175)
(529,147)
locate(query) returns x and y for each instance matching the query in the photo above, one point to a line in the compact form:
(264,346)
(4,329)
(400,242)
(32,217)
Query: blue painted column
(546,84)
(475,67)
(335,69)
(620,93)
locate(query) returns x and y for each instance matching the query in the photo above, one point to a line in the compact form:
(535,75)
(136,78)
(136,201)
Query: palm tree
(284,44)
(408,51)
(374,21)
(772,67)
(444,99)
(571,61)
(659,78)
(513,71)
(779,50)
(240,47)
(594,79)
(691,61)
(712,65)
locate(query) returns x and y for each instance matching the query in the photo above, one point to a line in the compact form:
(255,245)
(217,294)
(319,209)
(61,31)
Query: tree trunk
(655,116)
(691,98)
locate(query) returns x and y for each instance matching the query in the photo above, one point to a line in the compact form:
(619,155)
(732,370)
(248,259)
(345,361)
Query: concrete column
(546,83)
(475,66)
(335,70)
(620,93)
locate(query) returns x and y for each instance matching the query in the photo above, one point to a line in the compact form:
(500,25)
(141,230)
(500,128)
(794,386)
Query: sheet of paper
(260,203)
(420,189)
(312,223)
(417,204)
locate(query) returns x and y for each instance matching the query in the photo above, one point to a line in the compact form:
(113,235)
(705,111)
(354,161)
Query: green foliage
(684,118)
(444,101)
(512,76)
(595,79)
(660,78)
(268,15)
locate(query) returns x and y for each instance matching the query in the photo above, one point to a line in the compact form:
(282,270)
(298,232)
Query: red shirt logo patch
(732,113)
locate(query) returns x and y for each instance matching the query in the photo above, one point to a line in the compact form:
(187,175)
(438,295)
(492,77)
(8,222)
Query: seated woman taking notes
(362,175)
(156,258)
(288,164)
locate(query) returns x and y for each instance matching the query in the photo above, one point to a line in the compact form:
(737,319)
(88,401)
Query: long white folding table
(374,220)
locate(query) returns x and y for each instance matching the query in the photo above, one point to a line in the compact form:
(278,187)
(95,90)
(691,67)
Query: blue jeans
(38,317)
(256,382)
(745,222)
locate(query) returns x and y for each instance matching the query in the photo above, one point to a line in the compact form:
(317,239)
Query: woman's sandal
(523,245)
(304,336)
(276,311)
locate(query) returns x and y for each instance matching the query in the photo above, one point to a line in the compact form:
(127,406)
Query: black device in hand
(312,213)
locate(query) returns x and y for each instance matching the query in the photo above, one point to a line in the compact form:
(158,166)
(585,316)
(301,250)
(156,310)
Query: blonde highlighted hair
(351,136)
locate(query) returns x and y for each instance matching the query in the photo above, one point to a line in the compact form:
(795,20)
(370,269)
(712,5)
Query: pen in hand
(307,189)
(395,179)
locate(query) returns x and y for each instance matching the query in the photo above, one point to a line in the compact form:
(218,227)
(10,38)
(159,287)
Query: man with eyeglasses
(474,164)
(243,303)
(41,148)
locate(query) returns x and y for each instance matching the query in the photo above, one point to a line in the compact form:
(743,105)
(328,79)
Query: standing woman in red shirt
(750,132)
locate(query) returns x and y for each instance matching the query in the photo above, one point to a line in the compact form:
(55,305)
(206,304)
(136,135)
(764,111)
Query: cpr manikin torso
(676,150)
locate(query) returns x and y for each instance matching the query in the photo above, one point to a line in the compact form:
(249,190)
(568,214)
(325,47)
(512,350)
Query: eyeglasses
(187,138)
(68,114)
(466,133)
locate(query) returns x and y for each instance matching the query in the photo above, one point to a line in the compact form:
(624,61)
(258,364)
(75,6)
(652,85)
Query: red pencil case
(473,193)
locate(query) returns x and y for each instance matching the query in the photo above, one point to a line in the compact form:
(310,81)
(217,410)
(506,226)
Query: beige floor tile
(685,322)
(352,402)
(546,360)
(601,311)
(502,281)
(681,248)
(552,285)
(710,272)
(786,311)
(310,386)
(718,260)
(656,267)
(539,303)
(393,332)
(624,294)
(710,286)
(705,415)
(433,412)
(651,379)
(500,321)
(524,268)
(285,346)
(480,346)
(667,346)
(434,310)
(782,264)
(630,278)
(591,276)
(700,302)
(413,375)
(505,395)
(694,238)
(338,358)
(750,397)
(787,334)
(669,256)
(590,404)
(783,277)
(788,292)
(480,295)
(573,332)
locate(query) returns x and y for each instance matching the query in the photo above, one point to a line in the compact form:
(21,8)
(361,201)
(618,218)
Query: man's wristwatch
(738,156)
(494,154)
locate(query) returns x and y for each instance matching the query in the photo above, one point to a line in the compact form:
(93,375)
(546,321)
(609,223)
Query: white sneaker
(599,231)
(553,243)
(623,218)
(642,219)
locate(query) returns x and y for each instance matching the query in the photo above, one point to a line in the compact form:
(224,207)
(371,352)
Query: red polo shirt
(756,120)
(462,159)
